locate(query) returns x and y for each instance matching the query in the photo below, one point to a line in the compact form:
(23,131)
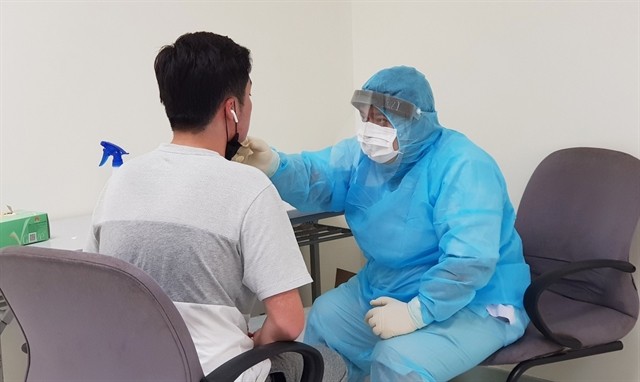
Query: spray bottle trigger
(110,149)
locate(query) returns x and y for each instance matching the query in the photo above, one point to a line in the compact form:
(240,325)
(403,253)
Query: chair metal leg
(564,355)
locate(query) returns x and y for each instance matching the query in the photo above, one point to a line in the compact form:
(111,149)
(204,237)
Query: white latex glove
(392,317)
(257,153)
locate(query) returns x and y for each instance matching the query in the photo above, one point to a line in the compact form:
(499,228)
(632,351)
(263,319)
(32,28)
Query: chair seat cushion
(576,318)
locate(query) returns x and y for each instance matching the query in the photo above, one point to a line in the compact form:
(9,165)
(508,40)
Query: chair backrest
(89,317)
(582,204)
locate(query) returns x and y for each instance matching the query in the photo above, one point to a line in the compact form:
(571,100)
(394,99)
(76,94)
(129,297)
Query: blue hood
(414,135)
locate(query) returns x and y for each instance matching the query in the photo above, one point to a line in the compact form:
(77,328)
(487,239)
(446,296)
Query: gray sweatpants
(290,364)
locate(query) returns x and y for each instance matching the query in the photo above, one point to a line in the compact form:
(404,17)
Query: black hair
(196,74)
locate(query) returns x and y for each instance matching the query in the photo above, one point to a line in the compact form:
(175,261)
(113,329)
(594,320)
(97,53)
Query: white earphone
(235,117)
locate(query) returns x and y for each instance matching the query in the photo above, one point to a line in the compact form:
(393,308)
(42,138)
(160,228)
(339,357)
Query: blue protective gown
(437,223)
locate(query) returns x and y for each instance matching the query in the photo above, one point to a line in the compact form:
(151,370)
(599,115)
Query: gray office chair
(577,218)
(89,317)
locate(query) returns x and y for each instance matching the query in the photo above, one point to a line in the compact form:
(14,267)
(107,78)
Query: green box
(23,227)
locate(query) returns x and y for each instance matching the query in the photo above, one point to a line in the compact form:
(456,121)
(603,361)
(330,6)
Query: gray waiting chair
(577,218)
(88,317)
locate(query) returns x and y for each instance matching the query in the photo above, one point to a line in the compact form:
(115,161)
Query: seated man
(213,233)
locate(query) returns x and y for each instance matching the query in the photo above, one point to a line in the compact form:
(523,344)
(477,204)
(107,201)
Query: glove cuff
(415,312)
(274,164)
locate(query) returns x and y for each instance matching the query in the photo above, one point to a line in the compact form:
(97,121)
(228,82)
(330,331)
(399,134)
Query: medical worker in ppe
(444,280)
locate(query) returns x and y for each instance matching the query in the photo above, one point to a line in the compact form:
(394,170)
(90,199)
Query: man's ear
(230,109)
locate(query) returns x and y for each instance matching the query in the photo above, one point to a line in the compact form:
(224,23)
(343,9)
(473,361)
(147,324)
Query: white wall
(76,73)
(520,78)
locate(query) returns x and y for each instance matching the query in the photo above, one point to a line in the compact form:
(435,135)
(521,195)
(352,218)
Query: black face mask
(232,147)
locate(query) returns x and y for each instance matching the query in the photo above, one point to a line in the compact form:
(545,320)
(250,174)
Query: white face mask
(377,142)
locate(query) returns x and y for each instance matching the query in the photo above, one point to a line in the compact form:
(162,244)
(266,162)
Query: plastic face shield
(364,99)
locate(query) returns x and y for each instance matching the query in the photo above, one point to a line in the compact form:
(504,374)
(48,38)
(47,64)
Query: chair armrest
(312,359)
(541,283)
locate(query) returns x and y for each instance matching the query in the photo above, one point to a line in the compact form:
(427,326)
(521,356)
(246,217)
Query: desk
(72,233)
(309,232)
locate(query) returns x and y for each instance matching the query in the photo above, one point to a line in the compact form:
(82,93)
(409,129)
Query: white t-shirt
(214,234)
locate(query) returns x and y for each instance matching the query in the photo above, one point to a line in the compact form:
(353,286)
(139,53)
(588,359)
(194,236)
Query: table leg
(314,264)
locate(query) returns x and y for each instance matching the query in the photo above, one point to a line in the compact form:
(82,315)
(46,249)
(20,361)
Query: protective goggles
(363,99)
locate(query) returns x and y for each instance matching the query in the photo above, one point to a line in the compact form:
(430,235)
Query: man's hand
(391,317)
(257,153)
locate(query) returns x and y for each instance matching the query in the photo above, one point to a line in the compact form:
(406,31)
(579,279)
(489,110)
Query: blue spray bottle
(109,149)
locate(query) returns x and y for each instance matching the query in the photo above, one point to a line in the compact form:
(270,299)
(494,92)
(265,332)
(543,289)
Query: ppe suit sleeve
(467,215)
(318,180)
